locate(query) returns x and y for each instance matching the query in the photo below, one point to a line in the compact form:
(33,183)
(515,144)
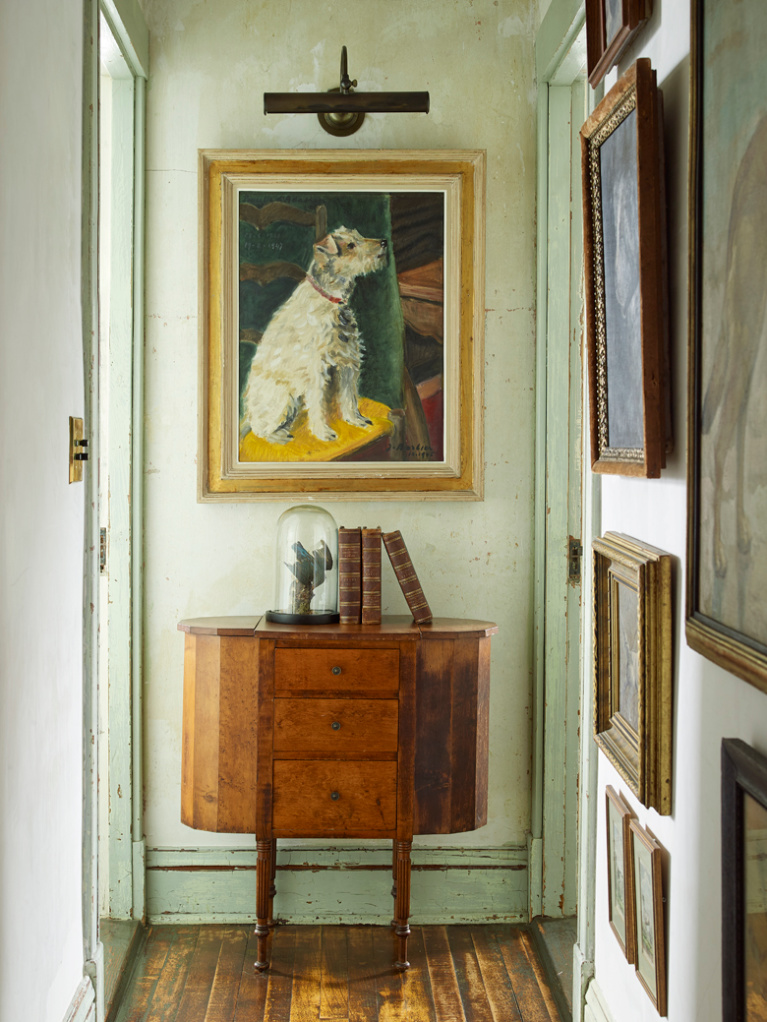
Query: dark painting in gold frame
(625,278)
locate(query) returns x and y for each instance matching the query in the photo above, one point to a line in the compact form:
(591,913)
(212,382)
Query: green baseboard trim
(139,878)
(337,885)
(535,868)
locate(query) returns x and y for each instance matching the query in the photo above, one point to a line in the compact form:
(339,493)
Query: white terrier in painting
(309,355)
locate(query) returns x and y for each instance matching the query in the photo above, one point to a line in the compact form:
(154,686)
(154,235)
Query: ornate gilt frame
(460,176)
(635,737)
(640,249)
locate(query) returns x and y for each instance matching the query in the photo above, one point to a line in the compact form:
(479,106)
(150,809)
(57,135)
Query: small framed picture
(625,277)
(744,883)
(650,926)
(610,27)
(620,873)
(633,664)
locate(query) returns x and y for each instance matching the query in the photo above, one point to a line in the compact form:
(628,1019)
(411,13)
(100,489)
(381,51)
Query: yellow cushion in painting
(306,447)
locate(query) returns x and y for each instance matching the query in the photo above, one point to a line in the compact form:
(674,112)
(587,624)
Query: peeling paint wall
(210,64)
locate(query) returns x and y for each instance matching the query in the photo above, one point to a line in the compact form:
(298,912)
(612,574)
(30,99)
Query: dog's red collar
(331,298)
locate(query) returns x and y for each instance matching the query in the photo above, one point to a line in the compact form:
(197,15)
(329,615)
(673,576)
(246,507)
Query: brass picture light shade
(342,111)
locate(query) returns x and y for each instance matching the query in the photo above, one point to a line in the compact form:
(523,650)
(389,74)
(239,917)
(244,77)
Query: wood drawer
(318,798)
(339,727)
(336,669)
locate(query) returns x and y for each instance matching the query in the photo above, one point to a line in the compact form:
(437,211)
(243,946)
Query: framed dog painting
(341,312)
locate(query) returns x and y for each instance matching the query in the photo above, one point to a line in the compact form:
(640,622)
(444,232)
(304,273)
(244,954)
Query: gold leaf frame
(460,175)
(635,93)
(641,754)
(725,589)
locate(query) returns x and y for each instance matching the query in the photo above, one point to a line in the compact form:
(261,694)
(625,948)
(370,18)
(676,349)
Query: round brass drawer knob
(335,795)
(336,725)
(336,670)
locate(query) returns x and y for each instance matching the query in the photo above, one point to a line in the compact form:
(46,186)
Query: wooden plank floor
(339,974)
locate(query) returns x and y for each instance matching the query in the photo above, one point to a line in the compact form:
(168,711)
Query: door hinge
(574,555)
(102,551)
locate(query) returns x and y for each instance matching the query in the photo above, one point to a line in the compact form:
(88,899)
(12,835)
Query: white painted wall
(41,515)
(709,703)
(210,67)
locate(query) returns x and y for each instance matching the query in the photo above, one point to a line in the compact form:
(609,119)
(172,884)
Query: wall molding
(337,884)
(82,1007)
(596,1010)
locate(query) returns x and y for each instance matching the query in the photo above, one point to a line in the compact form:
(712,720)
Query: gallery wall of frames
(629,357)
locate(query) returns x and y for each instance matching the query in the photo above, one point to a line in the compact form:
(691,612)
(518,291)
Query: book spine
(371,576)
(349,576)
(406,576)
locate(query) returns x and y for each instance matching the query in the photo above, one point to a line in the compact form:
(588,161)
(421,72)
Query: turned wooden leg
(394,879)
(402,907)
(273,886)
(264,861)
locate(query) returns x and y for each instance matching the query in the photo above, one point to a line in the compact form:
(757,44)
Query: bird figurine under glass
(309,571)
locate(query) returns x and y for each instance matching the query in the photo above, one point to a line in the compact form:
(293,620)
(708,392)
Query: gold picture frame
(620,873)
(371,384)
(633,664)
(650,961)
(625,278)
(726,506)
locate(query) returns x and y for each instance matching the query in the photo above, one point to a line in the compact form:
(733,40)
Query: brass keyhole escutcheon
(336,725)
(336,670)
(335,795)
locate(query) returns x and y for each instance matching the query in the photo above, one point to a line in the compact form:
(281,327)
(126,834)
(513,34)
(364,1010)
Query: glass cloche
(306,575)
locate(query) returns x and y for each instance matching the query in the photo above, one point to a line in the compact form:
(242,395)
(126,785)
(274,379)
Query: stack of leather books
(359,575)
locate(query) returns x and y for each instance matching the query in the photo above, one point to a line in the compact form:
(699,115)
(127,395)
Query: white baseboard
(583,975)
(82,1007)
(596,1010)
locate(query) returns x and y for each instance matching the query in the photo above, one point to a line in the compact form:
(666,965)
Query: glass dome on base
(306,575)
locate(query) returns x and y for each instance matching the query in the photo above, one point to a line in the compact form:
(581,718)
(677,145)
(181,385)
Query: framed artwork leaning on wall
(744,883)
(625,277)
(341,324)
(727,377)
(633,664)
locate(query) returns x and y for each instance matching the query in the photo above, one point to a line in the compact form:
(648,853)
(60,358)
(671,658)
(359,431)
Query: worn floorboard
(339,974)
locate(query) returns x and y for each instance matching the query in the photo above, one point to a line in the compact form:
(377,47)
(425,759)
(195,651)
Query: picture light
(341,111)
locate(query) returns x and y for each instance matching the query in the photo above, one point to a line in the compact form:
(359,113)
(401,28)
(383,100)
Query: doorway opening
(120,232)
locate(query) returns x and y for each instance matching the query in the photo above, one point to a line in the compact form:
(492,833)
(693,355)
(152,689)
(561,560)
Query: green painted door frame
(128,26)
(563,840)
(122,484)
(560,60)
